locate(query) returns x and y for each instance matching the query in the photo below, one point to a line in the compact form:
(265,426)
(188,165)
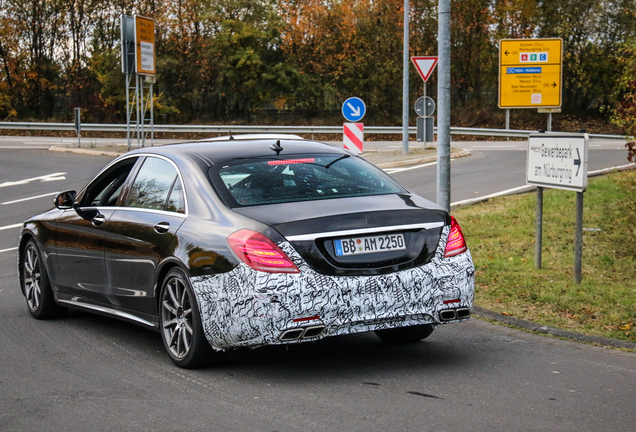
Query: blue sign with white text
(353,109)
(523,70)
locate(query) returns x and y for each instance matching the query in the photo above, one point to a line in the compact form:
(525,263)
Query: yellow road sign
(145,45)
(530,73)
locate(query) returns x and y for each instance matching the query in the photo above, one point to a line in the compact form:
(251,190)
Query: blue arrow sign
(353,109)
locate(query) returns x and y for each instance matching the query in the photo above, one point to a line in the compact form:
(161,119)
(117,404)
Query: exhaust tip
(463,313)
(290,335)
(302,333)
(312,332)
(447,315)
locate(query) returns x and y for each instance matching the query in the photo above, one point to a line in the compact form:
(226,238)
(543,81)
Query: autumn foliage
(232,60)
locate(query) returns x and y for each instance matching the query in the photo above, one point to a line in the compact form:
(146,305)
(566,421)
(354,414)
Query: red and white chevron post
(354,137)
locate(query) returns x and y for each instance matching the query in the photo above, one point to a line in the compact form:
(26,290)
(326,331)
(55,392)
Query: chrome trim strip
(145,210)
(314,236)
(109,311)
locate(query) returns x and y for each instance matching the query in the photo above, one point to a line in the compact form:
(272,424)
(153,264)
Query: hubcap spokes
(176,313)
(32,277)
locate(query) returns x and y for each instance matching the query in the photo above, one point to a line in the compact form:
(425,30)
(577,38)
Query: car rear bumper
(245,307)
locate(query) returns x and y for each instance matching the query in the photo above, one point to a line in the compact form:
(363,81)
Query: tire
(180,324)
(35,284)
(405,334)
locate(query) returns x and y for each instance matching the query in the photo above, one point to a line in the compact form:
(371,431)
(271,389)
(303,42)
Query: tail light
(456,243)
(260,253)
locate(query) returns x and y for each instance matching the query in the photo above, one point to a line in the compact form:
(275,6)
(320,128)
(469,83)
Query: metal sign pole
(539,228)
(152,116)
(143,111)
(578,239)
(78,125)
(128,76)
(424,139)
(137,107)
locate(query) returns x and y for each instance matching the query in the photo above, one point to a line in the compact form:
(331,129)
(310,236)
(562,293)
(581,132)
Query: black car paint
(196,243)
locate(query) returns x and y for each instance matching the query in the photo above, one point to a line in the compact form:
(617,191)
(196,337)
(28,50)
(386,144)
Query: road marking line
(8,250)
(496,194)
(497,146)
(44,178)
(22,147)
(10,226)
(30,198)
(397,170)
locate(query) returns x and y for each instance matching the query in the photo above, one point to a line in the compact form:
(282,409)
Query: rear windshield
(274,180)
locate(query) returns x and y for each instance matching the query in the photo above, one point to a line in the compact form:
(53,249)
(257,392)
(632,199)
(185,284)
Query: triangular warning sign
(424,66)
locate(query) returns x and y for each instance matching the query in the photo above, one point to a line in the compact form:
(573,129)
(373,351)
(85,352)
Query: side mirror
(65,200)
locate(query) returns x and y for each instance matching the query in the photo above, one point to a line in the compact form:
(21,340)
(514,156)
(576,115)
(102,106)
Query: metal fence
(225,129)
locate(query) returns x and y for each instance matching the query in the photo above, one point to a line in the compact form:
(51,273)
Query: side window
(105,189)
(176,201)
(152,185)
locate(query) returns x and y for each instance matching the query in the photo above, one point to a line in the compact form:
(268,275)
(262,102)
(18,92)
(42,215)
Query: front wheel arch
(24,239)
(40,299)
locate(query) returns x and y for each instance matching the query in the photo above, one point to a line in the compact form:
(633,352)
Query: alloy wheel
(32,278)
(176,317)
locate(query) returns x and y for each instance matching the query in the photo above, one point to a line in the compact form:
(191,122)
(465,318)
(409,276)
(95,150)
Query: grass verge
(501,236)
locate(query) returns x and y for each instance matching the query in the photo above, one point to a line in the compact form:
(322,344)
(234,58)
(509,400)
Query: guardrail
(225,129)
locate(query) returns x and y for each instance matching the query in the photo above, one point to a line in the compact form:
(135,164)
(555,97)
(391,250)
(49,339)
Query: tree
(625,115)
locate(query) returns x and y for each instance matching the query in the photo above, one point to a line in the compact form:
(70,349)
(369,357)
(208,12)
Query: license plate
(372,244)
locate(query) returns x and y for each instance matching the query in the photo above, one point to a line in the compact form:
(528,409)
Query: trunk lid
(389,232)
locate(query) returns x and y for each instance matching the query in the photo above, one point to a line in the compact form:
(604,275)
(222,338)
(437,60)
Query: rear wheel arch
(164,269)
(180,323)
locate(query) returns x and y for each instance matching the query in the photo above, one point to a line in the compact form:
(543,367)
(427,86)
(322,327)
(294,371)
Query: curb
(537,328)
(409,162)
(83,151)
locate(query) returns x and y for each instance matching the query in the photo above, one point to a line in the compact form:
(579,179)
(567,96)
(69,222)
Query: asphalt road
(87,372)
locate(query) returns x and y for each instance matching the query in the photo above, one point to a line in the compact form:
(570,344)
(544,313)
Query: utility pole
(443,96)
(405,82)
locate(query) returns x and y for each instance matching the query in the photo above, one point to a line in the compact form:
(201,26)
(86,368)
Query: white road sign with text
(558,161)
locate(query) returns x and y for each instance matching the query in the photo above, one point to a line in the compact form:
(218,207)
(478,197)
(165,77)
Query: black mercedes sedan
(232,243)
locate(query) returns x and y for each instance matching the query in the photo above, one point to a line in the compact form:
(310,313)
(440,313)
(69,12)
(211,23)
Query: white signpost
(560,162)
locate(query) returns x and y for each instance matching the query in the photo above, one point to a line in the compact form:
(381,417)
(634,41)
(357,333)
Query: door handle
(98,220)
(162,227)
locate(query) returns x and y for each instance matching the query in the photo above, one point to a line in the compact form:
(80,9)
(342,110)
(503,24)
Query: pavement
(385,155)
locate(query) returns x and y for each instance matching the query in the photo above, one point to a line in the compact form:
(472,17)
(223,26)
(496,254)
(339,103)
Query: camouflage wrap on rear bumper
(245,307)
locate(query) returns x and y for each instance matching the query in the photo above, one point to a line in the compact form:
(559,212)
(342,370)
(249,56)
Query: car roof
(254,137)
(216,152)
